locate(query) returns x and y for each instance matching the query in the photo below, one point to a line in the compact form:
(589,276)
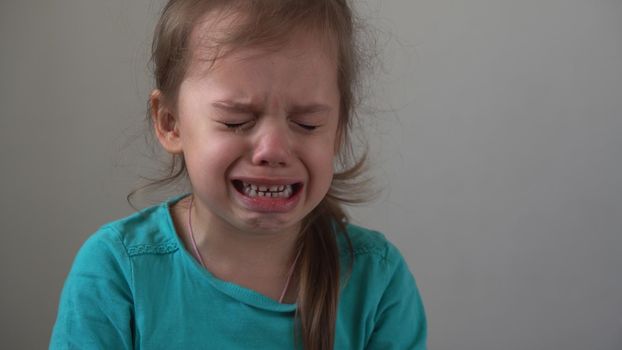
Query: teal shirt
(134,286)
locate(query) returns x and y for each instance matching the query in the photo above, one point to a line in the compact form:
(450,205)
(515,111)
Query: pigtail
(319,277)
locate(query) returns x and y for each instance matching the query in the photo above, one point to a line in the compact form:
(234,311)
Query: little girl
(254,99)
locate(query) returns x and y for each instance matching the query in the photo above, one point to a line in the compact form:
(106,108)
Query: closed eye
(234,125)
(238,125)
(308,127)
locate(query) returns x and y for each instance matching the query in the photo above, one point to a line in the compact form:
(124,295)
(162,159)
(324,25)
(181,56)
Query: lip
(269,181)
(268,204)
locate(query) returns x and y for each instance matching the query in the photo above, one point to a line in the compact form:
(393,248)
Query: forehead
(295,74)
(220,34)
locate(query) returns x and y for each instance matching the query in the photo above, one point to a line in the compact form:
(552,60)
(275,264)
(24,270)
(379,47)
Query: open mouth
(260,190)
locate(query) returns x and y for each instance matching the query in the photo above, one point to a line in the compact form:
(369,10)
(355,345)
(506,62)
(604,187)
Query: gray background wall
(498,141)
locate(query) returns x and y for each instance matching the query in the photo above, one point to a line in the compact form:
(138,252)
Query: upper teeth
(252,190)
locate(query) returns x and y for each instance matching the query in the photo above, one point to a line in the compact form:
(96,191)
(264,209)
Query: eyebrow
(234,106)
(310,109)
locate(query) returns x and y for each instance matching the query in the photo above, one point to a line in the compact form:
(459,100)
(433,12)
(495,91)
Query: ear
(166,125)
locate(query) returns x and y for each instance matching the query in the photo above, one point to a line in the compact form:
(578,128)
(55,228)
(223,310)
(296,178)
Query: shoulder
(109,254)
(367,242)
(149,231)
(372,257)
(380,295)
(97,300)
(377,265)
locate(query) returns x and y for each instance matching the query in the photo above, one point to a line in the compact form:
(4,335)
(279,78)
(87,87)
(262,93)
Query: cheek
(212,156)
(322,165)
(324,156)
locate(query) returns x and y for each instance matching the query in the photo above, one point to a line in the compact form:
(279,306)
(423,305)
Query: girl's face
(259,131)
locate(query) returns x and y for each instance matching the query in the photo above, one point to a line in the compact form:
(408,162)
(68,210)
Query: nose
(272,147)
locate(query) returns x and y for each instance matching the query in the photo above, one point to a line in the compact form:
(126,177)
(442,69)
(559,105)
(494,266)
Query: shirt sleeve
(96,308)
(400,322)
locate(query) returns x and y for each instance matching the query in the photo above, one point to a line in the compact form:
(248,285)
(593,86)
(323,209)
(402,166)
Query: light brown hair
(269,23)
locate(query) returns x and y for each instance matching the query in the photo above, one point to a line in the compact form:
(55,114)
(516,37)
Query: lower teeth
(286,193)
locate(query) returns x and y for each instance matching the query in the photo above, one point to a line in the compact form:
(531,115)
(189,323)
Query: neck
(231,253)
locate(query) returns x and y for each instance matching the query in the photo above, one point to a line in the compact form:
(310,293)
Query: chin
(270,225)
